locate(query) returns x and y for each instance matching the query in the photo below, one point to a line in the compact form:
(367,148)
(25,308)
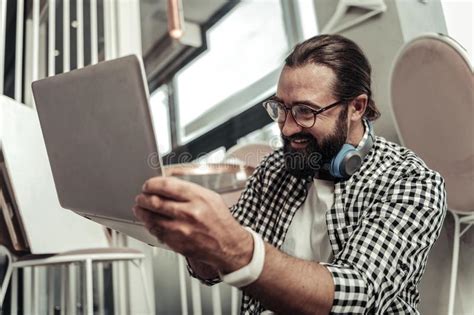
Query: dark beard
(307,162)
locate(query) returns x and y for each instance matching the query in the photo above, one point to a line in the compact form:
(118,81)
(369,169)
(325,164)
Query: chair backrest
(432,102)
(249,154)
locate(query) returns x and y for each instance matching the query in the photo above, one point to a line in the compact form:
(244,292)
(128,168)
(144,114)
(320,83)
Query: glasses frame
(315,112)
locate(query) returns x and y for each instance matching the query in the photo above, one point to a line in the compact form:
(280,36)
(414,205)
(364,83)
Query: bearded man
(337,221)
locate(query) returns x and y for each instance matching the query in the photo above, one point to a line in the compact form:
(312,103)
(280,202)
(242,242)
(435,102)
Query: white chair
(86,258)
(250,154)
(432,102)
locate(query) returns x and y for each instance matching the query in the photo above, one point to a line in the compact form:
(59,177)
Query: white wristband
(250,273)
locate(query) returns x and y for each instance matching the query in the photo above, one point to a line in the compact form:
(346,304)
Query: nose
(289,126)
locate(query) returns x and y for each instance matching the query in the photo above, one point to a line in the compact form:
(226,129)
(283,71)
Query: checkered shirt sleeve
(390,245)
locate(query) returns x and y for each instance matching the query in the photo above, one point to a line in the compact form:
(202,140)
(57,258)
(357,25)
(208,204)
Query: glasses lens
(275,110)
(303,115)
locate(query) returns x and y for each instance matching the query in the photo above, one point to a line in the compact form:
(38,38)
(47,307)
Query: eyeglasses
(304,115)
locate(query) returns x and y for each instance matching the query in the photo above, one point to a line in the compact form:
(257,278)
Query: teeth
(300,140)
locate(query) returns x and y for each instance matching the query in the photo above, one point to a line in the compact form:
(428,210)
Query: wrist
(250,272)
(242,253)
(202,269)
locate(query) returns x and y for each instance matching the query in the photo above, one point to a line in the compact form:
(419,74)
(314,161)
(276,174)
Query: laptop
(100,164)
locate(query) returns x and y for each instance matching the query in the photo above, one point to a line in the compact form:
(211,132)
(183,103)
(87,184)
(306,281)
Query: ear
(357,107)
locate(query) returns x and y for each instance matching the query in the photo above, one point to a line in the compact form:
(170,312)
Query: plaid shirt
(384,220)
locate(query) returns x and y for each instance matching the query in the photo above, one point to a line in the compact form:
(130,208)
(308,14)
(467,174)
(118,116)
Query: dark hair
(346,59)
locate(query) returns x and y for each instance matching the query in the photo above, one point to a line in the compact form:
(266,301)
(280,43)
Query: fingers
(165,207)
(145,215)
(150,219)
(161,227)
(172,188)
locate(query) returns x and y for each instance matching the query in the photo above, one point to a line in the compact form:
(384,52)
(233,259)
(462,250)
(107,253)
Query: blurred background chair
(250,154)
(85,259)
(432,101)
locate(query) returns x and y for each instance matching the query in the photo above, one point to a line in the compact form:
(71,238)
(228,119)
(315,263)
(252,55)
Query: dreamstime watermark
(294,160)
(275,142)
(300,161)
(154,160)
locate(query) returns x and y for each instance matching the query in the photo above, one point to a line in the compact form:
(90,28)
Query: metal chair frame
(460,218)
(85,257)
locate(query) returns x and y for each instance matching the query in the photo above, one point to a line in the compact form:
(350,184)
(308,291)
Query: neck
(356,133)
(324,175)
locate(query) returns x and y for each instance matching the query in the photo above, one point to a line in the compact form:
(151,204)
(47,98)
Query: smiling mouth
(299,143)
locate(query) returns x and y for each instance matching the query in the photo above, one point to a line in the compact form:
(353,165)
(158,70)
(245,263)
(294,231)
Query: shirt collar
(366,134)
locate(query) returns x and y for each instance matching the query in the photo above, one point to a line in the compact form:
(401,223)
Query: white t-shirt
(307,237)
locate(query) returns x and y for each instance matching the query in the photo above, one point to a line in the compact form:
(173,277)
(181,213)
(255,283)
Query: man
(341,235)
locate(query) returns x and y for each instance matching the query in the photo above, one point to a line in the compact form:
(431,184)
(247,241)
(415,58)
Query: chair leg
(216,300)
(8,273)
(100,287)
(14,295)
(72,285)
(149,306)
(196,297)
(182,286)
(63,279)
(234,295)
(454,267)
(51,286)
(116,287)
(124,298)
(35,271)
(27,290)
(116,277)
(89,307)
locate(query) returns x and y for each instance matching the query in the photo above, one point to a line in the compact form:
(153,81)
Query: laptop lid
(99,136)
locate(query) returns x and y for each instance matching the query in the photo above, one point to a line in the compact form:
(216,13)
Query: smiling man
(337,221)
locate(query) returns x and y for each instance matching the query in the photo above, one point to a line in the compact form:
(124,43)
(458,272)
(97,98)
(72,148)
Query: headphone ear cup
(337,168)
(352,162)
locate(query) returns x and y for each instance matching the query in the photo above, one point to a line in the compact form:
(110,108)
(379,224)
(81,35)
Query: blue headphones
(349,159)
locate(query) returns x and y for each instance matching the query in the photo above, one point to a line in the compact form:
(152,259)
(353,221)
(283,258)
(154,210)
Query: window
(307,15)
(244,47)
(160,118)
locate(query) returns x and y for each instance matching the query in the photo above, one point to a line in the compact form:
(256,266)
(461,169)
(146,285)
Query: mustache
(298,136)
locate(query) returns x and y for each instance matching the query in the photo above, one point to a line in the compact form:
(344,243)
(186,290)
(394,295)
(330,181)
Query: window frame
(246,98)
(220,126)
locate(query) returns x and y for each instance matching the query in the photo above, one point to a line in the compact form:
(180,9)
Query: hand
(193,221)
